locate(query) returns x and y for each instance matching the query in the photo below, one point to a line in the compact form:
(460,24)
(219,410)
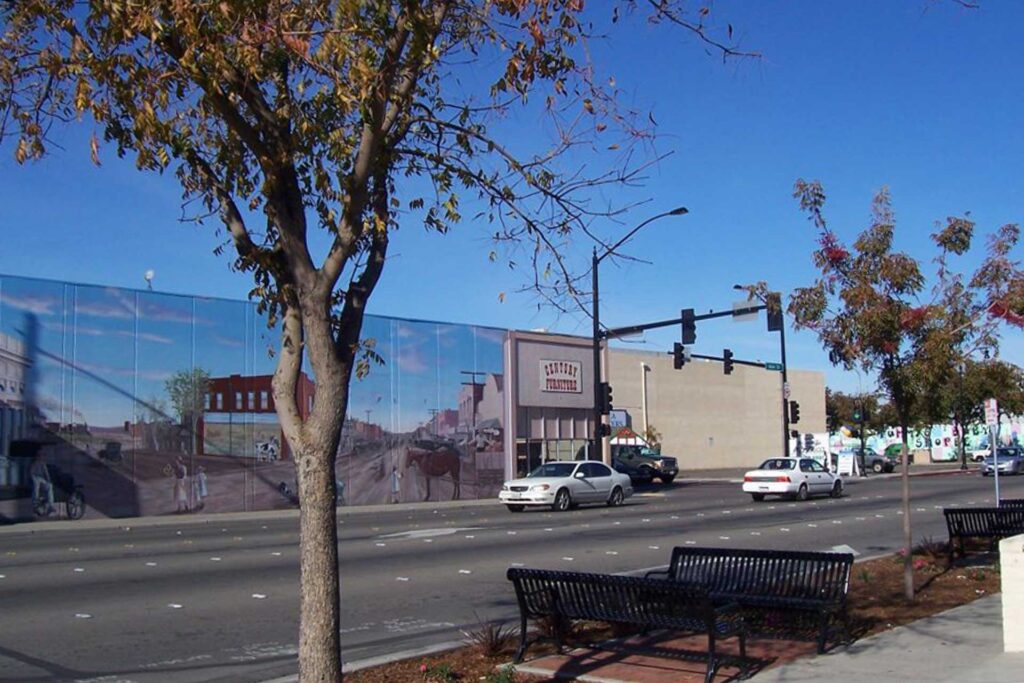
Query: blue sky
(921,96)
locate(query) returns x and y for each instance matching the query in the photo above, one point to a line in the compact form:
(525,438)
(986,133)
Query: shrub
(506,674)
(491,638)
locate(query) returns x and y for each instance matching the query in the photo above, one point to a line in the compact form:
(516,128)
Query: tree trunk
(319,630)
(908,537)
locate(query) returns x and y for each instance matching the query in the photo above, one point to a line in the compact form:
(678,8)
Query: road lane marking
(174,605)
(401,578)
(214,559)
(691,542)
(259,596)
(755,533)
(783,529)
(723,538)
(568,559)
(276,554)
(611,552)
(82,615)
(653,547)
(813,526)
(78,570)
(151,564)
(381,545)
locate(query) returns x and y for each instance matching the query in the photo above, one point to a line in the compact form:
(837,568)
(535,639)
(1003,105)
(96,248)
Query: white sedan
(791,477)
(563,485)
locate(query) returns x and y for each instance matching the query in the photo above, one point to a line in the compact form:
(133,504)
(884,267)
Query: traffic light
(689,327)
(808,442)
(604,430)
(857,415)
(727,361)
(774,320)
(678,356)
(794,412)
(606,398)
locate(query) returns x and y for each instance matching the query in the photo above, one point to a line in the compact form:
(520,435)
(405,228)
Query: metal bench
(993,524)
(648,603)
(1011,502)
(762,581)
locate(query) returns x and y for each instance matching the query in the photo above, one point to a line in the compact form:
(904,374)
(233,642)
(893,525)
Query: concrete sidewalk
(964,645)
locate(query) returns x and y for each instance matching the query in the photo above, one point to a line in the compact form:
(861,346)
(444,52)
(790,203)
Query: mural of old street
(150,404)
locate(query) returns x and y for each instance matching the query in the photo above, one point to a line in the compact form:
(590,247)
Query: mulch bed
(876,603)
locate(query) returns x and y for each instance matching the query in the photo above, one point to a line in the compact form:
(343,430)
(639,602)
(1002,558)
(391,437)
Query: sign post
(992,420)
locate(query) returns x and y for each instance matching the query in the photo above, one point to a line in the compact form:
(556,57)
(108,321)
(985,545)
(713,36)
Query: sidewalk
(964,645)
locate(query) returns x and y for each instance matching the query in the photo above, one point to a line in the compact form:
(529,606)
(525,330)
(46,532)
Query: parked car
(1010,460)
(565,484)
(797,478)
(643,465)
(876,462)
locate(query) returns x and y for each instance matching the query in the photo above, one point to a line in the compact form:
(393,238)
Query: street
(218,600)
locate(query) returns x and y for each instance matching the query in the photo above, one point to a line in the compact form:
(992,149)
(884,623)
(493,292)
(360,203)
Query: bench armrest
(657,574)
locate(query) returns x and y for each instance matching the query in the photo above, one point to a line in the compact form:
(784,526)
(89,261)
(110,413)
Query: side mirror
(581,475)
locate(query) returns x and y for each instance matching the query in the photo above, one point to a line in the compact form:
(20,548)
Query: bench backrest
(606,597)
(984,522)
(1011,502)
(764,573)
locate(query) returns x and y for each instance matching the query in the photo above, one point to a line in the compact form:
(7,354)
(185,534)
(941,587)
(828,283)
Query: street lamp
(782,349)
(595,262)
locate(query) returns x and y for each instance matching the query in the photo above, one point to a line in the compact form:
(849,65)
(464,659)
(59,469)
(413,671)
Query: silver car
(1009,459)
(564,484)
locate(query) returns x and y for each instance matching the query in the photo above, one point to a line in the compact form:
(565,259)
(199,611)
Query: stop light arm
(720,359)
(613,332)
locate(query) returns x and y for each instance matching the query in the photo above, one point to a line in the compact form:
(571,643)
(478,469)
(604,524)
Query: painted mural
(942,440)
(149,404)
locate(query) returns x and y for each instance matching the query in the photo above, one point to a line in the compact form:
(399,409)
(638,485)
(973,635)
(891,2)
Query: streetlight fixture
(595,314)
(782,349)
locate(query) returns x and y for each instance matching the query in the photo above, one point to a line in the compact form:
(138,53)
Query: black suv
(644,465)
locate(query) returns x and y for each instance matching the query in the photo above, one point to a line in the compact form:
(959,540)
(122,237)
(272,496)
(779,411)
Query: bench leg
(522,639)
(712,660)
(823,635)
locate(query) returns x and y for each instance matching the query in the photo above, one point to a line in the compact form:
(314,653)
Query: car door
(814,474)
(579,486)
(600,477)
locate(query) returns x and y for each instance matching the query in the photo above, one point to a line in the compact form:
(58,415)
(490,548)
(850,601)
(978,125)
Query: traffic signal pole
(597,359)
(785,387)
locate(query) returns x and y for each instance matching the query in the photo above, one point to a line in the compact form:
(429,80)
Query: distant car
(565,484)
(797,478)
(643,465)
(1010,461)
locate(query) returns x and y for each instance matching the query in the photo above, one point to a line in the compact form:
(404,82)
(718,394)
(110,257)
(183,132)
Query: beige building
(708,419)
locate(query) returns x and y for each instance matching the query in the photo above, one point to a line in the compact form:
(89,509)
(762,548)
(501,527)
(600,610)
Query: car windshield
(778,464)
(1005,454)
(554,469)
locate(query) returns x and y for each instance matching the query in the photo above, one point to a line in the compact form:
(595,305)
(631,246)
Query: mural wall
(151,404)
(942,441)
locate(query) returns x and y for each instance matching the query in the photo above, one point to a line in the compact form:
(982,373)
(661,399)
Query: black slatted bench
(651,604)
(1011,502)
(770,581)
(982,523)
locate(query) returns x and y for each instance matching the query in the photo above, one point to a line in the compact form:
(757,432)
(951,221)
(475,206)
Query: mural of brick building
(240,417)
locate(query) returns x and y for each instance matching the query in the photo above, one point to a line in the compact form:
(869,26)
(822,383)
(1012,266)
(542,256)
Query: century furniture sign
(560,376)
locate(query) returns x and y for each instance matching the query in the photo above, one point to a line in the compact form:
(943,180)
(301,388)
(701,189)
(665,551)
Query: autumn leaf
(94,149)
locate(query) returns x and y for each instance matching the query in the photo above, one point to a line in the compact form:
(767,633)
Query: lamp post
(785,378)
(595,310)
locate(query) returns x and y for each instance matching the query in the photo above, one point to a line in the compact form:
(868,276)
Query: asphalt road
(217,600)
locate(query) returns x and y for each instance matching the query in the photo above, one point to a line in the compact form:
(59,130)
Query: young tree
(866,311)
(288,119)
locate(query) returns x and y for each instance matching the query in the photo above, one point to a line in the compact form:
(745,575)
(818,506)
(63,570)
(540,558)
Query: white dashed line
(276,554)
(465,571)
(151,564)
(611,552)
(549,529)
(512,533)
(813,526)
(469,537)
(259,596)
(783,529)
(381,545)
(723,538)
(654,547)
(174,605)
(81,615)
(78,570)
(672,517)
(568,559)
(691,542)
(755,533)
(646,519)
(837,521)
(428,540)
(726,512)
(214,559)
(860,519)
(401,578)
(517,564)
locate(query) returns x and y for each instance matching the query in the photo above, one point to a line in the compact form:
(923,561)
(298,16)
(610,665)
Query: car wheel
(667,478)
(877,467)
(802,493)
(562,501)
(758,497)
(515,508)
(616,498)
(984,474)
(837,490)
(646,475)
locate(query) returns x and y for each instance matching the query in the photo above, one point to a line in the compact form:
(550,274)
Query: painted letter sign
(560,376)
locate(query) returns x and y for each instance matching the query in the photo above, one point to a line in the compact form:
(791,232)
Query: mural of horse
(435,460)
